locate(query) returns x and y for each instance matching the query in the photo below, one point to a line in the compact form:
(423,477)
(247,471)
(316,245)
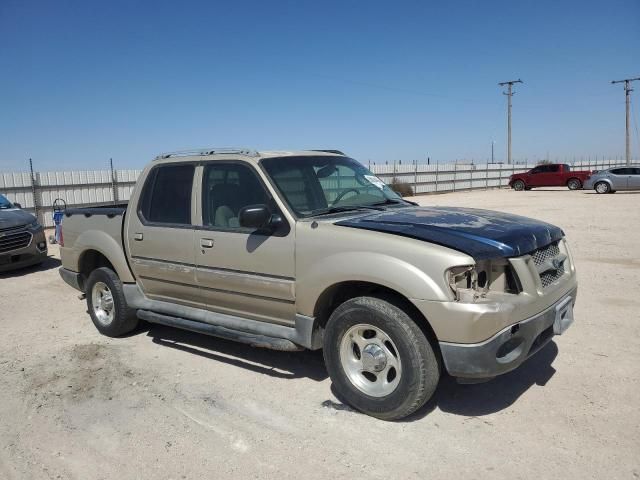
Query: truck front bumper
(511,346)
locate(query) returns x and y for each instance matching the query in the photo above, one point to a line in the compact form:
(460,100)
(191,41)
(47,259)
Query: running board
(252,339)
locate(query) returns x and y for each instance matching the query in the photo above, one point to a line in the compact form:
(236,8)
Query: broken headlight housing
(472,282)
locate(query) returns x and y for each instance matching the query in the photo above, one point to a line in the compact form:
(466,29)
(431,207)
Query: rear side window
(622,171)
(167,195)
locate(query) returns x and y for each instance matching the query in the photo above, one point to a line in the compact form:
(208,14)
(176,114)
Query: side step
(252,339)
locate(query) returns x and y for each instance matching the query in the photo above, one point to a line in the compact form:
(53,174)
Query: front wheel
(574,184)
(379,359)
(602,187)
(106,303)
(518,185)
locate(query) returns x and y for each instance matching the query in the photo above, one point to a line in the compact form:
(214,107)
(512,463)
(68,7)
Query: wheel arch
(91,260)
(574,178)
(338,293)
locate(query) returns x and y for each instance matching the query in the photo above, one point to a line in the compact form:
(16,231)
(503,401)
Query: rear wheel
(602,187)
(106,303)
(379,359)
(518,185)
(574,184)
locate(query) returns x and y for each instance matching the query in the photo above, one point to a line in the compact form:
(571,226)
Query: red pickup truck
(551,175)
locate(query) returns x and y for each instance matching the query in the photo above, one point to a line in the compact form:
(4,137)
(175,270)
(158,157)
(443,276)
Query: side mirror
(255,216)
(16,204)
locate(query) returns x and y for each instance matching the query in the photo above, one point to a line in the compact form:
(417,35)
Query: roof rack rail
(201,152)
(337,152)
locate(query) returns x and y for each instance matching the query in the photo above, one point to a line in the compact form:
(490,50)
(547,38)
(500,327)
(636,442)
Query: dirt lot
(168,404)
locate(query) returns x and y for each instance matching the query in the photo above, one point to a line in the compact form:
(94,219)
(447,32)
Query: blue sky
(83,81)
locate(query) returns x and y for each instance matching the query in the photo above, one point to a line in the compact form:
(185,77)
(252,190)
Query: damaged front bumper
(511,346)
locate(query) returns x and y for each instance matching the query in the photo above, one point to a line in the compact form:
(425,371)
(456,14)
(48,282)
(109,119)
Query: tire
(518,185)
(574,184)
(602,187)
(106,303)
(393,371)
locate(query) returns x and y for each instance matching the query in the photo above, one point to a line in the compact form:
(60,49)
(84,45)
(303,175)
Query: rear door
(634,179)
(619,178)
(160,235)
(240,271)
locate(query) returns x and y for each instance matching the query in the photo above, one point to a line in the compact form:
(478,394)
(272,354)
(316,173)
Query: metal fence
(451,177)
(36,191)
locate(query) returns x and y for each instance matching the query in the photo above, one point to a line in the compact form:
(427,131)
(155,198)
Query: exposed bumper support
(510,347)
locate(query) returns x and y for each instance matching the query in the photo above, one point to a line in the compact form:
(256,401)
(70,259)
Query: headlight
(34,225)
(461,279)
(471,282)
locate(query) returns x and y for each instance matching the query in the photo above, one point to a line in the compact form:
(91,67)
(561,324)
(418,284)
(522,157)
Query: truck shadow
(285,365)
(469,400)
(476,400)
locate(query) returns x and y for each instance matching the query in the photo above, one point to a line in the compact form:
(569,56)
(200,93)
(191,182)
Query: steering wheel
(343,193)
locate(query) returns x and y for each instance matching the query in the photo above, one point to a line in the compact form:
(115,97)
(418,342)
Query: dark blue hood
(482,234)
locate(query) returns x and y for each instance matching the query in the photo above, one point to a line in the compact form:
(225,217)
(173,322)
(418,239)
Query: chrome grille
(14,238)
(550,276)
(546,253)
(548,270)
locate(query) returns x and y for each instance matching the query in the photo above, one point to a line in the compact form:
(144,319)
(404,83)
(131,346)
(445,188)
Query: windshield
(4,203)
(317,185)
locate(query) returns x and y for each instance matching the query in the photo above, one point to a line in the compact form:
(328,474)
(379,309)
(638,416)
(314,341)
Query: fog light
(42,245)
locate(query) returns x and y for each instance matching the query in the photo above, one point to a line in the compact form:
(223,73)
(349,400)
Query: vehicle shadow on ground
(286,365)
(469,400)
(476,400)
(48,264)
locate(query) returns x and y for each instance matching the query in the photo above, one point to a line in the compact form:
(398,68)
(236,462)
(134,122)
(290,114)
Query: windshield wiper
(391,201)
(346,208)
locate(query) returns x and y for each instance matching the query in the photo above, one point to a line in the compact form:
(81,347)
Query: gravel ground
(163,403)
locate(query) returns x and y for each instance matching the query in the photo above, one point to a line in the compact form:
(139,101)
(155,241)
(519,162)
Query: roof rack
(201,152)
(337,152)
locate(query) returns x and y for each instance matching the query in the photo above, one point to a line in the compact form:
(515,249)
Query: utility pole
(509,93)
(492,144)
(627,94)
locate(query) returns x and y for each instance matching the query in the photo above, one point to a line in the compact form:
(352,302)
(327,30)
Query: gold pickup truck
(309,249)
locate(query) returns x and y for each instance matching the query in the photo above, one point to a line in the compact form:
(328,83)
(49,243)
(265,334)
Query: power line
(627,94)
(509,93)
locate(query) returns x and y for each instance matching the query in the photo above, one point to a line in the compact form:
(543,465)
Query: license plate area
(564,316)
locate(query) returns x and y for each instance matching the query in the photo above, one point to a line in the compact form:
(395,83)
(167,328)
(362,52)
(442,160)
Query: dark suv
(22,241)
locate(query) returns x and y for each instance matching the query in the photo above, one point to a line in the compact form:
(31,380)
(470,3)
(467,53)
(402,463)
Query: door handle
(206,243)
(138,237)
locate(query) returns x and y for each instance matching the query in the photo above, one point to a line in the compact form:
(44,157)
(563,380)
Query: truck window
(227,188)
(553,168)
(167,195)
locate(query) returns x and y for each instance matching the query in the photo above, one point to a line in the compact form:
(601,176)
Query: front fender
(378,268)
